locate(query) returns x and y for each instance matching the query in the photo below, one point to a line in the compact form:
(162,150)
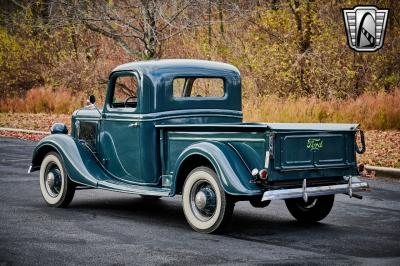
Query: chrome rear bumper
(353,184)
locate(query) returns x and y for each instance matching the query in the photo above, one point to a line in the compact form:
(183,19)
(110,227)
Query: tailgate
(320,153)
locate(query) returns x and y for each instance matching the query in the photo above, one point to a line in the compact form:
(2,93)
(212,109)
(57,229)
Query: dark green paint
(141,150)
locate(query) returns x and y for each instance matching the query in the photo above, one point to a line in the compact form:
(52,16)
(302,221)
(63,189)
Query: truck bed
(290,151)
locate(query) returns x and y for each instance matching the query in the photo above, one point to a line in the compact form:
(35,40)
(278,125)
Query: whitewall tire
(206,206)
(57,189)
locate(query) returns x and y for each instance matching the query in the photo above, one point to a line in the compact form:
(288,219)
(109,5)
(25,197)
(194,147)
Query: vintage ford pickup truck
(174,127)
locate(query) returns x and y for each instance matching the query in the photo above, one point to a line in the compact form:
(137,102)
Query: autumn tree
(140,27)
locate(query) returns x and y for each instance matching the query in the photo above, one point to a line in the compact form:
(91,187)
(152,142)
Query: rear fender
(234,176)
(80,164)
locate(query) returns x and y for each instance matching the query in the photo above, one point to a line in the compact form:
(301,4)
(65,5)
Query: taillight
(263,174)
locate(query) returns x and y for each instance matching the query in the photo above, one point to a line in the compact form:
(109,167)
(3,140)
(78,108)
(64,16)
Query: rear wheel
(314,210)
(206,206)
(257,203)
(57,189)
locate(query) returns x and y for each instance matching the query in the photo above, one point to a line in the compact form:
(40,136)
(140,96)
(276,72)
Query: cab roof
(178,66)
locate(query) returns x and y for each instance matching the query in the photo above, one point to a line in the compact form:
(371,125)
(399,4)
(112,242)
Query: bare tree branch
(113,36)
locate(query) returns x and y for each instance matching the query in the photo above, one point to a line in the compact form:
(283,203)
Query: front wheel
(314,210)
(57,189)
(206,206)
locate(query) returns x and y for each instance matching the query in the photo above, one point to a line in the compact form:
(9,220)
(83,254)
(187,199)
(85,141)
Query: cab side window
(125,92)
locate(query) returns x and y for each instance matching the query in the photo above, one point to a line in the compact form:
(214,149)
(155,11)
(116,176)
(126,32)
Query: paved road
(102,227)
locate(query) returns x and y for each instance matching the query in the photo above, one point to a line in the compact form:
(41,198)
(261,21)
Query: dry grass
(379,111)
(372,111)
(43,100)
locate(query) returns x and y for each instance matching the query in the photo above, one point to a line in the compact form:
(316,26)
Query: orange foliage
(371,110)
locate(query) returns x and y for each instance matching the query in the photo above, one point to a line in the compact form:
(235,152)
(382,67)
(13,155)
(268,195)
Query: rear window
(198,87)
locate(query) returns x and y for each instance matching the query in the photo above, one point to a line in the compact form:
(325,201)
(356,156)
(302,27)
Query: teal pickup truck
(174,127)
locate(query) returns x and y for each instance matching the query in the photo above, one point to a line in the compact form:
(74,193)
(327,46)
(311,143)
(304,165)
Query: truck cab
(143,95)
(172,127)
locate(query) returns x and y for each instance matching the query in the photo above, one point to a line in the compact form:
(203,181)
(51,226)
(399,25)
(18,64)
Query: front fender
(80,165)
(233,174)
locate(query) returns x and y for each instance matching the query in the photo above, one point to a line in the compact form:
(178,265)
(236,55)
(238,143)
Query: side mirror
(92,99)
(91,103)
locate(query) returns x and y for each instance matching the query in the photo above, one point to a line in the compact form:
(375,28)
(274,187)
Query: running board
(120,186)
(354,184)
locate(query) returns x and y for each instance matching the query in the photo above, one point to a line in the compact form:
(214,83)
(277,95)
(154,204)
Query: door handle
(133,125)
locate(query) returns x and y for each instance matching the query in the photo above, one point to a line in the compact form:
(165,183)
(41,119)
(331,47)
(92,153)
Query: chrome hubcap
(53,180)
(203,200)
(50,179)
(200,200)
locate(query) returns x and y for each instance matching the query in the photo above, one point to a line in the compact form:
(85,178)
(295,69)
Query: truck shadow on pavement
(255,226)
(167,212)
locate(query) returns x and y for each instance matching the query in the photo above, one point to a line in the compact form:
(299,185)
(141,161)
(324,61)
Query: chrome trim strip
(144,119)
(229,133)
(292,127)
(313,167)
(137,192)
(198,115)
(122,119)
(217,139)
(266,159)
(314,191)
(88,119)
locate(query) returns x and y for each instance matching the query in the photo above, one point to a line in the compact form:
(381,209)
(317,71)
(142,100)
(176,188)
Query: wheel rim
(53,180)
(203,200)
(309,204)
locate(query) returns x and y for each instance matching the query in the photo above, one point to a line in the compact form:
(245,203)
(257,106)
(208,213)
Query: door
(120,136)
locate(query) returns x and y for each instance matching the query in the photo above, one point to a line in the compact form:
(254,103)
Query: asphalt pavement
(109,228)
